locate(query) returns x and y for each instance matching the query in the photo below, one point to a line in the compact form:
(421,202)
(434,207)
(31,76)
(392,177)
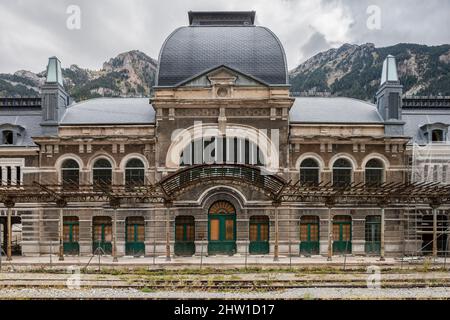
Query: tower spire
(389,98)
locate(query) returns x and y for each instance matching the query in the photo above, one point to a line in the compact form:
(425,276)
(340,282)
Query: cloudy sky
(33,30)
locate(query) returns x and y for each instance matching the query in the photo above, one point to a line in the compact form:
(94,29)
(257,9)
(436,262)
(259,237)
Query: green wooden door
(259,235)
(102,235)
(309,235)
(184,236)
(222,228)
(71,236)
(135,236)
(222,234)
(342,235)
(373,235)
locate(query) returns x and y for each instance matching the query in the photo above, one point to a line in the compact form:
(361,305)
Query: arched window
(134,173)
(309,172)
(374,172)
(102,173)
(222,150)
(342,172)
(70,173)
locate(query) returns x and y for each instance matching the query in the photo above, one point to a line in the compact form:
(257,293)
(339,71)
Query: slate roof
(415,119)
(29,120)
(110,111)
(252,50)
(333,110)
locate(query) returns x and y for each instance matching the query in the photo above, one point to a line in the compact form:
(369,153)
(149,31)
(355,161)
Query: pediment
(222,75)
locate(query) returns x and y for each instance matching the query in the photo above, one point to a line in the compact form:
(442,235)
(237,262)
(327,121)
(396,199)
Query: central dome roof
(213,42)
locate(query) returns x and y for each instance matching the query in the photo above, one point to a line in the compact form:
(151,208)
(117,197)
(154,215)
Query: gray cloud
(31,31)
(315,44)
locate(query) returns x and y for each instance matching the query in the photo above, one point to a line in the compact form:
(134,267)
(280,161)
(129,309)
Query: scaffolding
(427,229)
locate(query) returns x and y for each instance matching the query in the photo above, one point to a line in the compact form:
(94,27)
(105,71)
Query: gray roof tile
(30,121)
(252,50)
(110,111)
(333,110)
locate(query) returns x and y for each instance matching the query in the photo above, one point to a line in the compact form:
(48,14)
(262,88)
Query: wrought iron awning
(269,184)
(275,187)
(364,194)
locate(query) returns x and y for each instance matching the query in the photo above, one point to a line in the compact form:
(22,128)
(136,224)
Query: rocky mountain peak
(354,70)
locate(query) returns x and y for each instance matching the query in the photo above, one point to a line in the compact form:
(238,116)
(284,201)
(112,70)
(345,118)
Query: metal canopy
(273,186)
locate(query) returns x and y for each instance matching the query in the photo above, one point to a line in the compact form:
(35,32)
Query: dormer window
(437,135)
(7,137)
(434,132)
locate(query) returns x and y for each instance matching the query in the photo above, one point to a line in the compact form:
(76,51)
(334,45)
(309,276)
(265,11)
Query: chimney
(54,98)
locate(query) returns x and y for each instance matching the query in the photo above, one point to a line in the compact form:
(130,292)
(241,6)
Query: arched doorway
(222,228)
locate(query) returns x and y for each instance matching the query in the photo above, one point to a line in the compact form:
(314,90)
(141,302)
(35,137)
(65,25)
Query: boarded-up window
(102,229)
(309,228)
(135,229)
(253,232)
(215,225)
(342,228)
(259,228)
(229,229)
(71,229)
(184,228)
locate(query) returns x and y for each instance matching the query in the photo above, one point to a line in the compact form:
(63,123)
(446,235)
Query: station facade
(225,136)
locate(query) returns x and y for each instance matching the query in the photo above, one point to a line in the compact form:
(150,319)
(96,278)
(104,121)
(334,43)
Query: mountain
(350,70)
(130,74)
(355,70)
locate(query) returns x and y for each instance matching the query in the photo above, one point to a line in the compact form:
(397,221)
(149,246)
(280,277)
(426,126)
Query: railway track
(219,285)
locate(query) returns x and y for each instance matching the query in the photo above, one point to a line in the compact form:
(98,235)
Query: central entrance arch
(222,228)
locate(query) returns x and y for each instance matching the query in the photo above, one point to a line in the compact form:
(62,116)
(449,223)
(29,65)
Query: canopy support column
(9,204)
(168,205)
(61,203)
(115,204)
(330,203)
(276,245)
(435,203)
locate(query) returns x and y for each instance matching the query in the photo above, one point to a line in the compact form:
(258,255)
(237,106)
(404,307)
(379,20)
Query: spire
(389,98)
(389,73)
(54,98)
(54,73)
